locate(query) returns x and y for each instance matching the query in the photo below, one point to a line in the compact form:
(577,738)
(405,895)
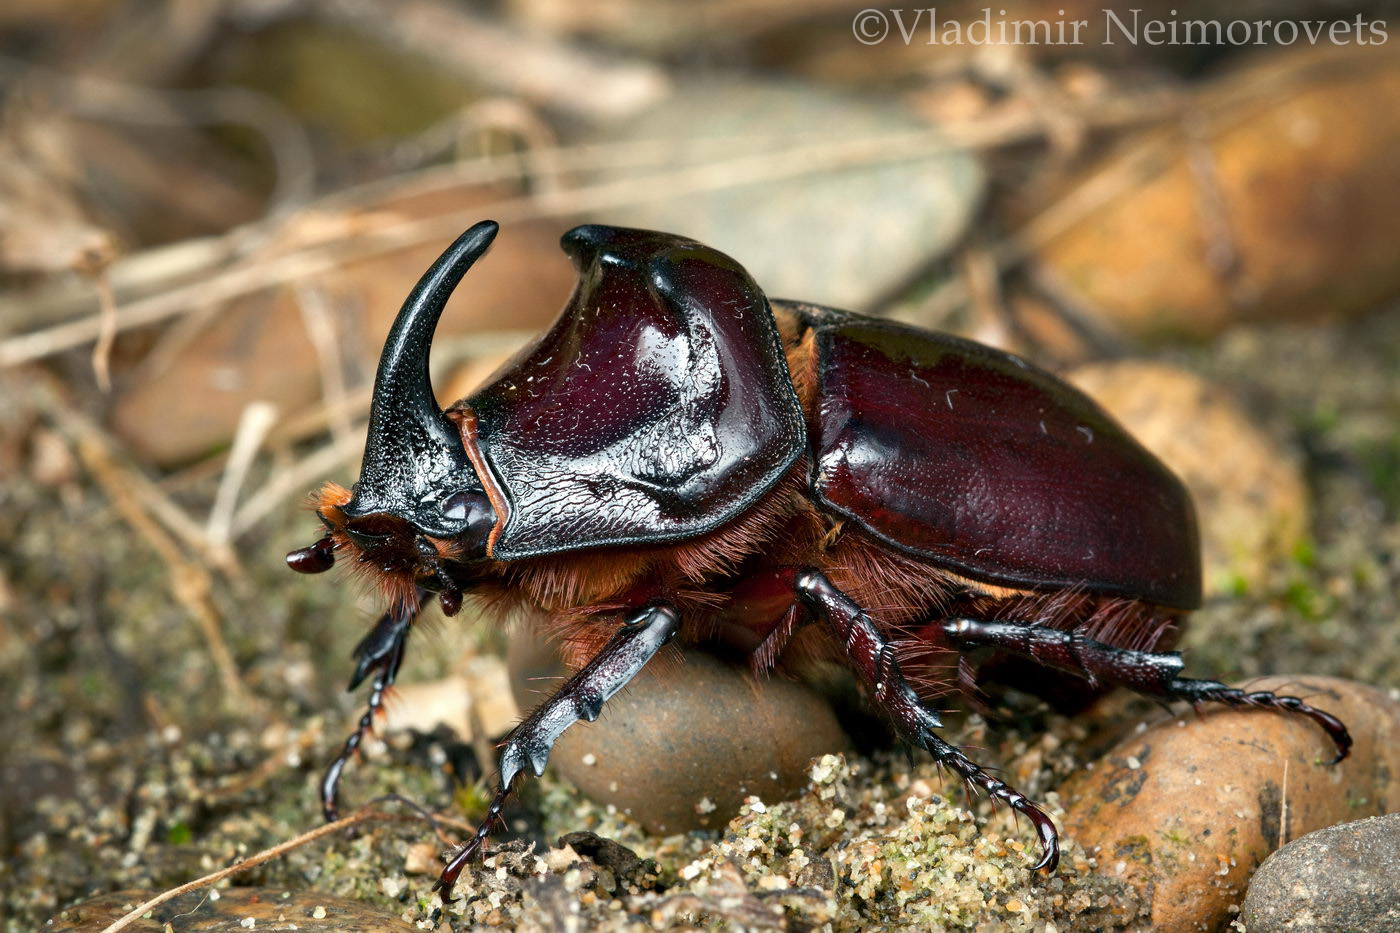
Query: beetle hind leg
(581,697)
(872,656)
(1153,674)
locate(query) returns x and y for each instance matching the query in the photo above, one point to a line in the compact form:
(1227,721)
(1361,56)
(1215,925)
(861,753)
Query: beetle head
(418,506)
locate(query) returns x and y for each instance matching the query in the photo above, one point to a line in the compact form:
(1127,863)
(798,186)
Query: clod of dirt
(1278,200)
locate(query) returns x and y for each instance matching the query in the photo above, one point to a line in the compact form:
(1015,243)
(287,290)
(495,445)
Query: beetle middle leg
(581,697)
(872,656)
(1154,674)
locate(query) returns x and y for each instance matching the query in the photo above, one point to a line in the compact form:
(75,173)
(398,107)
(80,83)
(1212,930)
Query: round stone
(690,737)
(1344,877)
(1186,809)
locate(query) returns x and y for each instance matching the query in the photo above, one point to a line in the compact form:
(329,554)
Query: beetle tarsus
(1203,691)
(1154,674)
(382,651)
(468,850)
(875,663)
(580,698)
(968,770)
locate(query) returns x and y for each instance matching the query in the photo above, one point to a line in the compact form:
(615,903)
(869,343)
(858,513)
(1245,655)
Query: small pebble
(780,229)
(421,859)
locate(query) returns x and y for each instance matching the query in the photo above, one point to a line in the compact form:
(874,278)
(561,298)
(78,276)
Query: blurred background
(210,211)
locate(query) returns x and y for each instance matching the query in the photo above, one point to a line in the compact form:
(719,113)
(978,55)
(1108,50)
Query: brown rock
(197,912)
(1186,810)
(685,743)
(426,705)
(1285,203)
(1249,493)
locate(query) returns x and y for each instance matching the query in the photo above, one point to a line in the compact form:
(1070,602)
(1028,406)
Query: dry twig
(364,815)
(319,321)
(131,494)
(257,419)
(250,273)
(266,855)
(295,480)
(189,582)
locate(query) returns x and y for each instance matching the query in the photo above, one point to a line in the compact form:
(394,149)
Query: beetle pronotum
(680,457)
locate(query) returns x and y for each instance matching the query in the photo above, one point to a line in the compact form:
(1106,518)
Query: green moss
(1176,837)
(1305,599)
(472,800)
(1236,585)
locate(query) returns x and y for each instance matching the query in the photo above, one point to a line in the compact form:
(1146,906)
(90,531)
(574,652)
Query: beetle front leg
(872,655)
(381,651)
(1152,673)
(581,697)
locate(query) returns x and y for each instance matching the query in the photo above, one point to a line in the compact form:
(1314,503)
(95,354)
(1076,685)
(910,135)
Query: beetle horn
(412,448)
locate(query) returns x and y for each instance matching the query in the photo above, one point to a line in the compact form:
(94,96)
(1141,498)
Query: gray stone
(841,236)
(1342,878)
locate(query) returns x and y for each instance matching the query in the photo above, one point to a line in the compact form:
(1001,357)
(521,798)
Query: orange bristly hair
(398,588)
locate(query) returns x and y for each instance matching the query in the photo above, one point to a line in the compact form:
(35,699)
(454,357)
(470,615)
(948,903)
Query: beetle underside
(784,579)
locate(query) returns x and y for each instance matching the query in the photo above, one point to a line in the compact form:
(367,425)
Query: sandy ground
(127,765)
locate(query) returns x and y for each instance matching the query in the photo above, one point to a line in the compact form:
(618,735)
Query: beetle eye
(476,517)
(456,506)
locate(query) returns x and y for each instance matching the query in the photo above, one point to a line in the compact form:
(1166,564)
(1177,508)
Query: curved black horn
(413,450)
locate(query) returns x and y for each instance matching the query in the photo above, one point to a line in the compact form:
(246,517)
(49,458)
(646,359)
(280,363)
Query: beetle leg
(1155,674)
(872,656)
(381,651)
(581,697)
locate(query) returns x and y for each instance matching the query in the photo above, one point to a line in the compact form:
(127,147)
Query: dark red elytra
(980,461)
(677,457)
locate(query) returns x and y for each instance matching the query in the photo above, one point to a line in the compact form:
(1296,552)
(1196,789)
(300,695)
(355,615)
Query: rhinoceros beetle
(679,456)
